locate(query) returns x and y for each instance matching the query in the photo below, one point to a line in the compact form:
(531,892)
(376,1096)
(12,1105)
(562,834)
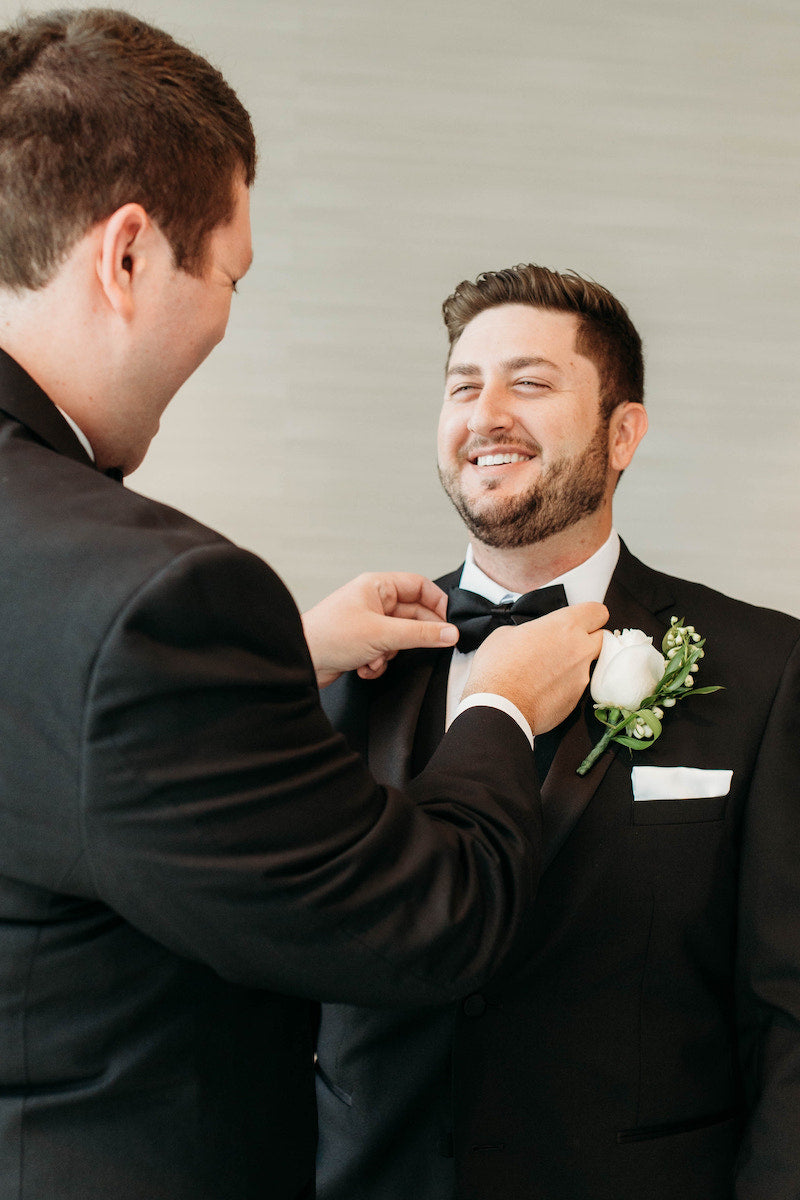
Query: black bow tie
(476,617)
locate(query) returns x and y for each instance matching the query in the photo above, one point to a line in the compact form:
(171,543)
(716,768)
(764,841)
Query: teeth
(498,460)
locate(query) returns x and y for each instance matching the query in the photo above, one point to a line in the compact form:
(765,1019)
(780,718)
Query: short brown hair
(97,110)
(606,334)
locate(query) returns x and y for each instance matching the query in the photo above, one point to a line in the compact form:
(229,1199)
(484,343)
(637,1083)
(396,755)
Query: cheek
(214,328)
(559,435)
(451,434)
(441,438)
(225,312)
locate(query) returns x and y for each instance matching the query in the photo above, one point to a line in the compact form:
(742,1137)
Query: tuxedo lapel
(565,794)
(394,712)
(24,401)
(639,598)
(634,596)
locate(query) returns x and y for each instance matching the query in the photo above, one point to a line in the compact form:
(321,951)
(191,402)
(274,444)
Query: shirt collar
(79,434)
(588,581)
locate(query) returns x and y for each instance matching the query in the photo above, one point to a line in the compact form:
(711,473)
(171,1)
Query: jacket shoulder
(744,642)
(661,590)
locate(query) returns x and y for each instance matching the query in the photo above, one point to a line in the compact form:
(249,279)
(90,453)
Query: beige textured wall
(653,146)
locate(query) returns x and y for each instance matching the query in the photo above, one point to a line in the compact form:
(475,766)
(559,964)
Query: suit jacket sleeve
(769,955)
(223,817)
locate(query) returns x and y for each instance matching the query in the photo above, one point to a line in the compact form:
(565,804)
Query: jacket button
(474,1006)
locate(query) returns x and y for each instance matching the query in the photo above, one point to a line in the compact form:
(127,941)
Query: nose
(490,412)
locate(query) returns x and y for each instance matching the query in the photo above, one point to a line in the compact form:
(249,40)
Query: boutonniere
(632,684)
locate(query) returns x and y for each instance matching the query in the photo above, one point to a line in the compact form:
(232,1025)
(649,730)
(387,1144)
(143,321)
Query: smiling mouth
(500,460)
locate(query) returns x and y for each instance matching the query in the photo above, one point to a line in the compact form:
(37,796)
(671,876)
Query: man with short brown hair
(100,110)
(645,1043)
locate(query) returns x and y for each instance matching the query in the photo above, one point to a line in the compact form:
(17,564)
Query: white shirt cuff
(492,700)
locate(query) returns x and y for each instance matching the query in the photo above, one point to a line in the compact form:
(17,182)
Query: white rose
(628,669)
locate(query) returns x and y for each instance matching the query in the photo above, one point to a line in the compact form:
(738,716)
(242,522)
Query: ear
(122,255)
(627,427)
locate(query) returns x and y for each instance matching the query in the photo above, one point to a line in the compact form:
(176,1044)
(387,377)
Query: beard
(572,488)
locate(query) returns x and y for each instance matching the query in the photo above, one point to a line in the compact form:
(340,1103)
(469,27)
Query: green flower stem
(602,745)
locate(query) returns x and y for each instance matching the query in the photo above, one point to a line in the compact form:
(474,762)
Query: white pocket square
(678,783)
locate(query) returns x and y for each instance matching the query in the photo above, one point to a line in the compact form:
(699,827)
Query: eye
(534,387)
(461,388)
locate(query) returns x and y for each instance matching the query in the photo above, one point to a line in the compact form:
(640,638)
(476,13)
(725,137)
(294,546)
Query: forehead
(513,331)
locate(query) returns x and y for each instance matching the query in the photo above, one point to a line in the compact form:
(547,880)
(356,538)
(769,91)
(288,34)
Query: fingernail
(448,634)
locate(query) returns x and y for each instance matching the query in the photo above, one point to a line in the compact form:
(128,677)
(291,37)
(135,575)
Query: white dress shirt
(79,434)
(589,581)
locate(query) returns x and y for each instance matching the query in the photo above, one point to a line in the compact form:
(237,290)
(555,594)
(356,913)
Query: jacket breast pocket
(673,795)
(678,812)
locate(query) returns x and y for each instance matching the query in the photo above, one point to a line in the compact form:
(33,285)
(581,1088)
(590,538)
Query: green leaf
(634,743)
(675,686)
(673,666)
(650,719)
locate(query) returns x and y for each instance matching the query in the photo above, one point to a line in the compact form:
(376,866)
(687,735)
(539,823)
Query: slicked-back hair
(605,333)
(97,110)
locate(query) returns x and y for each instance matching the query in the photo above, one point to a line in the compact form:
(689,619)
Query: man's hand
(542,666)
(364,624)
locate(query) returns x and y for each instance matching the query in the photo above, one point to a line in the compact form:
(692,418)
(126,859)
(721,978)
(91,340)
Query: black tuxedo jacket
(646,1043)
(189,853)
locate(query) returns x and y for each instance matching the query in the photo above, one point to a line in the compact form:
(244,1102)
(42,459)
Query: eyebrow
(510,364)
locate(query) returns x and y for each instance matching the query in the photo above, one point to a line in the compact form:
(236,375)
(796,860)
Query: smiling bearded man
(646,1043)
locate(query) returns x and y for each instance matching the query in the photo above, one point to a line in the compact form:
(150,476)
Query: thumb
(401,633)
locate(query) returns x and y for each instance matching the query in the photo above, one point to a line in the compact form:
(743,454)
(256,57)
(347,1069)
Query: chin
(495,499)
(132,460)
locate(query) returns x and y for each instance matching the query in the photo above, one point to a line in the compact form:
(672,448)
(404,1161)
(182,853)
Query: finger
(590,614)
(373,670)
(413,589)
(377,666)
(416,612)
(398,633)
(597,643)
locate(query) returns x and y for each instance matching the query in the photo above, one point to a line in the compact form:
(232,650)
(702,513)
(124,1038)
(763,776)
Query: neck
(54,334)
(525,568)
(42,330)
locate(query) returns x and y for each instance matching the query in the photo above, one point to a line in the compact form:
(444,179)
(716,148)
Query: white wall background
(405,146)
